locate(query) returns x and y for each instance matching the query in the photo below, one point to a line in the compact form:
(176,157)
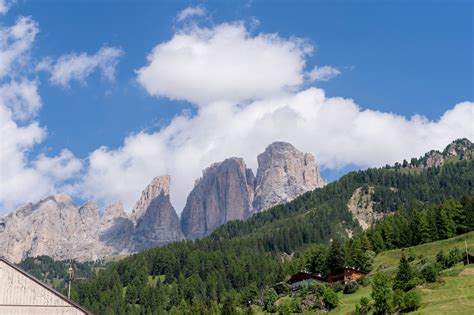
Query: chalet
(299,278)
(345,275)
(21,293)
(468,259)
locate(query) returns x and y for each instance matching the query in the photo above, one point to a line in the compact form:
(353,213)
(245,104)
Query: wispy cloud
(189,12)
(324,73)
(15,45)
(77,67)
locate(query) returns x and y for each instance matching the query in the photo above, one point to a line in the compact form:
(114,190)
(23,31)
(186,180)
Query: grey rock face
(156,221)
(461,149)
(224,193)
(57,228)
(54,226)
(283,174)
(116,230)
(227,191)
(158,226)
(158,185)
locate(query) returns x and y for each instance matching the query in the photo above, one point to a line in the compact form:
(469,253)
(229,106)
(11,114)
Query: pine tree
(382,293)
(404,278)
(131,295)
(336,256)
(377,241)
(446,225)
(424,228)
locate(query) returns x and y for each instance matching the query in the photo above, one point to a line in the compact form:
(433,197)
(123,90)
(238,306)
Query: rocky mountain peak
(159,185)
(89,213)
(460,148)
(283,174)
(62,198)
(113,211)
(223,193)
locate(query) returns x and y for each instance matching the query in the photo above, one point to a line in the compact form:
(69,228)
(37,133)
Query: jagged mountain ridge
(229,190)
(56,227)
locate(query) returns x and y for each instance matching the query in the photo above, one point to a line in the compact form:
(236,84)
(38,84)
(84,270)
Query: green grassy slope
(452,294)
(388,260)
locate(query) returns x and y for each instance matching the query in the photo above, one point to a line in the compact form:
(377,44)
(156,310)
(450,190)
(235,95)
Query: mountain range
(227,191)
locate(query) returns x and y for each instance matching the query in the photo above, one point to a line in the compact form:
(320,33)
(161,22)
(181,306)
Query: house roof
(301,275)
(339,270)
(44,285)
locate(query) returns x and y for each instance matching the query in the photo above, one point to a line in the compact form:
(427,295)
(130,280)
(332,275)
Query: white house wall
(21,295)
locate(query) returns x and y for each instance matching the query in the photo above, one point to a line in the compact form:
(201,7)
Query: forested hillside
(240,259)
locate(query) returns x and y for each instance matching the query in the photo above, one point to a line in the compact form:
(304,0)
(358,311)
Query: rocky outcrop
(158,226)
(159,184)
(156,221)
(224,193)
(283,174)
(460,149)
(228,190)
(361,206)
(54,226)
(116,230)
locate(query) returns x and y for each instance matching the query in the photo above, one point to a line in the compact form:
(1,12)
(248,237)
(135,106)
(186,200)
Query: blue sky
(404,58)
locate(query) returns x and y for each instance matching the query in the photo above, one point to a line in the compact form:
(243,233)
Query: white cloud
(24,178)
(4,6)
(336,130)
(15,44)
(217,69)
(79,66)
(324,73)
(61,167)
(22,181)
(21,98)
(190,11)
(223,63)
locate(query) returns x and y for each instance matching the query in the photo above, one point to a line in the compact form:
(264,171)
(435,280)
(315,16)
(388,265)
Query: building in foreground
(22,294)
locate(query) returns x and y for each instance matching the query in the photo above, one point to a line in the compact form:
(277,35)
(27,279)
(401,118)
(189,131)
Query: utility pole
(70,279)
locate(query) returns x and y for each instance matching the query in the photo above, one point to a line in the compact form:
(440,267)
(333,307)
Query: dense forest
(235,266)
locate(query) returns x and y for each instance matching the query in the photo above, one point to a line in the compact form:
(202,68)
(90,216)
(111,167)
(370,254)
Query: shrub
(406,301)
(431,272)
(412,301)
(351,287)
(363,307)
(318,289)
(269,300)
(398,300)
(337,286)
(441,259)
(330,298)
(284,308)
(454,256)
(363,281)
